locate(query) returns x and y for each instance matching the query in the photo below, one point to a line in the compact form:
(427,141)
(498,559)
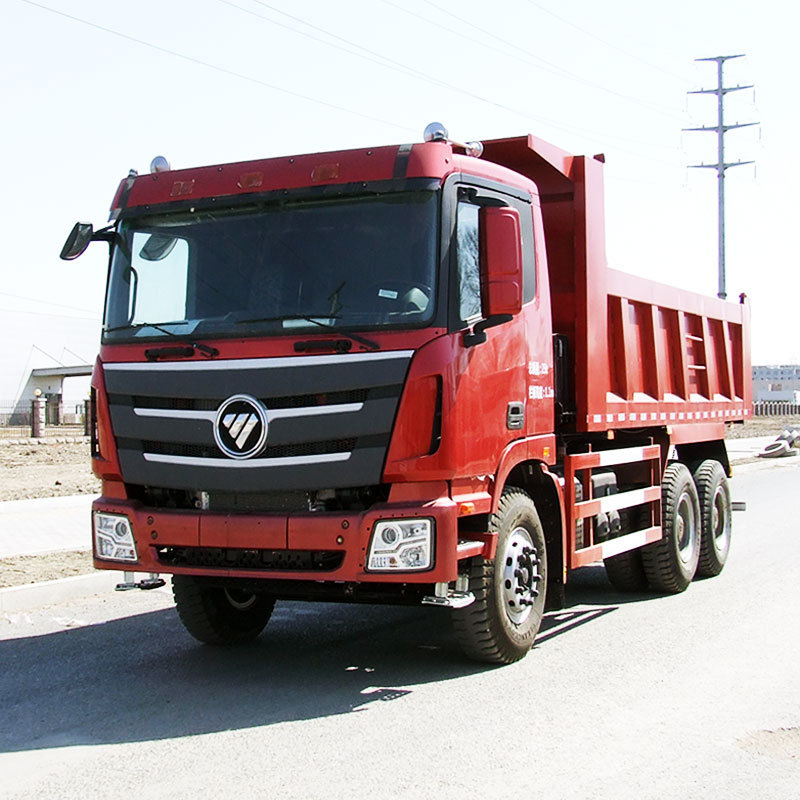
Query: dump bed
(641,353)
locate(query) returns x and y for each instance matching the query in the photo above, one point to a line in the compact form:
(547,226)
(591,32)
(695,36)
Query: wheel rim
(239,599)
(520,576)
(720,520)
(686,530)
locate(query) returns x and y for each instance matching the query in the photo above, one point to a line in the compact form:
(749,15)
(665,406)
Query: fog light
(113,537)
(401,545)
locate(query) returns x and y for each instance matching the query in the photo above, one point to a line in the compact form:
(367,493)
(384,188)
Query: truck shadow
(142,678)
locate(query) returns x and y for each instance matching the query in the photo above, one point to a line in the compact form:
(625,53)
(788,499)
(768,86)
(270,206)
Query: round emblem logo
(240,429)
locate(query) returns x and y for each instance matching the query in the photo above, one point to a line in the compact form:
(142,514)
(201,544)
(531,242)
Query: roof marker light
(159,164)
(436,132)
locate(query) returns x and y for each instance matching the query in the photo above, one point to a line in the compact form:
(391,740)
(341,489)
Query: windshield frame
(137,332)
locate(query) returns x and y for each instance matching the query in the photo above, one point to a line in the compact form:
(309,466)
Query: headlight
(113,537)
(401,545)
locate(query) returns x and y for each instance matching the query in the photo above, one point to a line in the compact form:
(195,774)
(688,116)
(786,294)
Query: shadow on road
(142,678)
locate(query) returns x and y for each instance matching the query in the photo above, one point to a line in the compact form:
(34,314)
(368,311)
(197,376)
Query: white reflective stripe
(625,456)
(272,413)
(255,363)
(289,461)
(628,542)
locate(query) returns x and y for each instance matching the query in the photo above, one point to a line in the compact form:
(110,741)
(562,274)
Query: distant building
(48,383)
(781,383)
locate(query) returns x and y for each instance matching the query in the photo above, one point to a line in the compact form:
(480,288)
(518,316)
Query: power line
(46,302)
(426,77)
(375,58)
(215,67)
(607,43)
(308,98)
(389,63)
(45,314)
(559,70)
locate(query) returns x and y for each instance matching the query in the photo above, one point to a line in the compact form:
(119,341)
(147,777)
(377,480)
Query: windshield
(357,263)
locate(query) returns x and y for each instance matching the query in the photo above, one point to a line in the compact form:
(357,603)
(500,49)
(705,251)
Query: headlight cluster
(403,545)
(113,537)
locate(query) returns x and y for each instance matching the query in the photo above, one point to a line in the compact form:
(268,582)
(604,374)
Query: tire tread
(478,637)
(706,477)
(199,611)
(659,558)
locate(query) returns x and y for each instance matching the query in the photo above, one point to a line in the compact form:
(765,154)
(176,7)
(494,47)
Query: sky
(91,89)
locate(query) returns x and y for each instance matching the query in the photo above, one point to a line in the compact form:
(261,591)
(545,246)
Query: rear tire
(715,512)
(626,572)
(500,626)
(220,615)
(670,563)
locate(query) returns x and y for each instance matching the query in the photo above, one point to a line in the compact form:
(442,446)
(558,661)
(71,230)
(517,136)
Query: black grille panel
(331,415)
(267,560)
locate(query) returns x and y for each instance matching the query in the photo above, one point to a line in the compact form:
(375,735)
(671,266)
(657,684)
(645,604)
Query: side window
(160,268)
(528,254)
(469,277)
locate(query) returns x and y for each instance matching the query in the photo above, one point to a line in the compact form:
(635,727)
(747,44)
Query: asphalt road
(695,695)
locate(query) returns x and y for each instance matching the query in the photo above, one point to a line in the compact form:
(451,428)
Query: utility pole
(721,129)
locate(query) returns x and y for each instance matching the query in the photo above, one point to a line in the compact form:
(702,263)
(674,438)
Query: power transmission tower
(721,129)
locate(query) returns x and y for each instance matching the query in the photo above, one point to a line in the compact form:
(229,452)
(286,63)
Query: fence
(774,408)
(18,421)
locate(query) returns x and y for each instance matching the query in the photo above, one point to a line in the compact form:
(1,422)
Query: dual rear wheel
(696,523)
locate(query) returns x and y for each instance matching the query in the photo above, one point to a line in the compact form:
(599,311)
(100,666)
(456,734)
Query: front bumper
(296,547)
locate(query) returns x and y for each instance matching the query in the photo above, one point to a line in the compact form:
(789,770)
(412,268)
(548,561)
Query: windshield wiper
(310,318)
(282,317)
(154,353)
(135,326)
(180,351)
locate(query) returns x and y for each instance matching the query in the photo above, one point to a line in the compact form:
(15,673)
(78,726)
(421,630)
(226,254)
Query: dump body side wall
(641,353)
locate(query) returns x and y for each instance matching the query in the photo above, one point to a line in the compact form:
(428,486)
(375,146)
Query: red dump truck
(401,374)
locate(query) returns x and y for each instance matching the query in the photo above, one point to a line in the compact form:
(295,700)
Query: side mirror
(157,247)
(501,260)
(78,240)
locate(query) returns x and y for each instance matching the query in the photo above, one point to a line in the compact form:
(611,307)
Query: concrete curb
(28,441)
(33,595)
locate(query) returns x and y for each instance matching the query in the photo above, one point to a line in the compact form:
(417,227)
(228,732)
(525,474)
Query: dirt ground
(30,470)
(52,469)
(761,426)
(49,567)
(45,470)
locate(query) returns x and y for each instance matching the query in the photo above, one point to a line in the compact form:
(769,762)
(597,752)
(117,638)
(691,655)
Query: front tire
(502,623)
(715,510)
(220,615)
(670,563)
